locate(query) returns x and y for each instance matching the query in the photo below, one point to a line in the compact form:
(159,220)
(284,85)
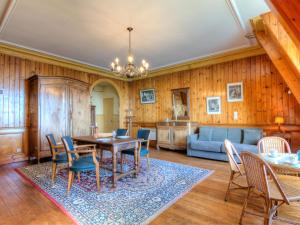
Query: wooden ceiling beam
(288,13)
(278,56)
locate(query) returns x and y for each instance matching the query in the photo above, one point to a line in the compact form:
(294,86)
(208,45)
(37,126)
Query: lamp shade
(279,120)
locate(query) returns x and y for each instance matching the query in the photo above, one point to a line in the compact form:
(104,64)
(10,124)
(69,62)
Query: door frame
(119,92)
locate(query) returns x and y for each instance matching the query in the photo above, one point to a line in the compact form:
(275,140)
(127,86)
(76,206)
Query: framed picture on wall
(147,96)
(235,92)
(213,105)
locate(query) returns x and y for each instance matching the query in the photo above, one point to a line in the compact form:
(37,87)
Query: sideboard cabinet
(57,105)
(173,135)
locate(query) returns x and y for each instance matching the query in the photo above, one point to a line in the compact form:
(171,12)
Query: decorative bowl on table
(123,137)
(103,139)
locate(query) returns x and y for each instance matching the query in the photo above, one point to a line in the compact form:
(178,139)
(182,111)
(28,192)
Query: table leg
(114,169)
(136,158)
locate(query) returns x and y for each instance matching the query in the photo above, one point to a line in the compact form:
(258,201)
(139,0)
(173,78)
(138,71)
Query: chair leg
(70,180)
(148,161)
(78,176)
(98,177)
(54,165)
(229,184)
(122,161)
(245,205)
(101,156)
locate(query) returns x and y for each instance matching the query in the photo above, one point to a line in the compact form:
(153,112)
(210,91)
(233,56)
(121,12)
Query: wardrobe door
(53,113)
(79,110)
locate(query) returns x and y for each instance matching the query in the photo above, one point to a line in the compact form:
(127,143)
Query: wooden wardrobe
(57,105)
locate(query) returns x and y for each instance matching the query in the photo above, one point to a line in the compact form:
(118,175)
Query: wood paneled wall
(14,101)
(265,94)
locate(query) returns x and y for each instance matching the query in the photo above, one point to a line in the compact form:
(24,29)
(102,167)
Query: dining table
(115,146)
(286,163)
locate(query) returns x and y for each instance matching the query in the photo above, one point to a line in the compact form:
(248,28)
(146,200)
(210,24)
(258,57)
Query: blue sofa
(209,143)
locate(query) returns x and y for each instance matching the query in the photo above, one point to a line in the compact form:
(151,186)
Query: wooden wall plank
(265,93)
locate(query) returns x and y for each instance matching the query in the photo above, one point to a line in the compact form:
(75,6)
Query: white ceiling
(165,31)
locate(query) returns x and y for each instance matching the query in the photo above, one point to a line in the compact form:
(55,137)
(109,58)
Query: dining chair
(237,175)
(121,132)
(266,144)
(143,137)
(263,182)
(58,157)
(78,163)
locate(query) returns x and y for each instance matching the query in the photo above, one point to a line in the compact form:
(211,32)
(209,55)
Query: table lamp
(279,120)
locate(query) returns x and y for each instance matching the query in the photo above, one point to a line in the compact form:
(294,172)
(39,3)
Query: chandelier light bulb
(117,60)
(143,62)
(142,69)
(112,65)
(118,68)
(130,59)
(146,65)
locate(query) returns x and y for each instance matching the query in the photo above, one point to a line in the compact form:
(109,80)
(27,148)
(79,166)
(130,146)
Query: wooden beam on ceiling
(277,55)
(288,13)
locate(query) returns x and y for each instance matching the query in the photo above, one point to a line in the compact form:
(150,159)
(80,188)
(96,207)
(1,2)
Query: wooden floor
(21,203)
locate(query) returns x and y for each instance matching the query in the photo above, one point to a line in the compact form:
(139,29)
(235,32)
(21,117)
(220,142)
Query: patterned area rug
(134,201)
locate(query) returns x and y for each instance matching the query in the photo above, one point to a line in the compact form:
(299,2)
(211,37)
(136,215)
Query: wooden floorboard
(22,204)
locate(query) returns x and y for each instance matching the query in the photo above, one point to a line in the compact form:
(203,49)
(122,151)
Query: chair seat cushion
(82,164)
(143,152)
(61,158)
(209,146)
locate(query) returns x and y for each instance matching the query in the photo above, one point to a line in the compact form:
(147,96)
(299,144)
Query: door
(163,135)
(79,111)
(108,114)
(53,113)
(179,136)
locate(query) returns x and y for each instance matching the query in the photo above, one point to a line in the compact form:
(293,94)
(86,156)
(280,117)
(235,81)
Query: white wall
(107,92)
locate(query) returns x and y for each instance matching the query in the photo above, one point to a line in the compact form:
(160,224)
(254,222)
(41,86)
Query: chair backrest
(68,143)
(258,172)
(51,140)
(121,132)
(144,134)
(266,144)
(231,151)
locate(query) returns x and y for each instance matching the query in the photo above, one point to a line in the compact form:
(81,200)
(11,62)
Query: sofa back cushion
(235,135)
(205,133)
(252,136)
(219,134)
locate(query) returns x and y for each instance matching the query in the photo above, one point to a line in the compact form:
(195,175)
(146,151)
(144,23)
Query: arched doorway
(105,101)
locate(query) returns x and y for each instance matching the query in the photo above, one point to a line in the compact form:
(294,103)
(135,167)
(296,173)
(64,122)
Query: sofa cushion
(234,135)
(219,134)
(209,146)
(205,133)
(252,136)
(242,147)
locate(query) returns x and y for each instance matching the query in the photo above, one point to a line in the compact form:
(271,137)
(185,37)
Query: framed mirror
(181,104)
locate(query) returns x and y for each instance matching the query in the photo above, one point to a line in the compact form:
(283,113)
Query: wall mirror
(181,104)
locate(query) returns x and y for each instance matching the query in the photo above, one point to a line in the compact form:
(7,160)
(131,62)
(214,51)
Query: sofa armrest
(191,138)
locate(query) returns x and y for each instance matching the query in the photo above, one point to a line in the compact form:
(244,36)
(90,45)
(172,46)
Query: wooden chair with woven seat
(58,154)
(266,144)
(237,175)
(263,182)
(77,163)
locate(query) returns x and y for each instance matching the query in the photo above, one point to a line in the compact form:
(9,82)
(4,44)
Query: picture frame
(235,92)
(147,96)
(213,105)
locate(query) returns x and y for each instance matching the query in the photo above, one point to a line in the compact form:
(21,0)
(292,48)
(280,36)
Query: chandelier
(130,70)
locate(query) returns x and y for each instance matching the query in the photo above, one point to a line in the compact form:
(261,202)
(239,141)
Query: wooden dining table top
(106,141)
